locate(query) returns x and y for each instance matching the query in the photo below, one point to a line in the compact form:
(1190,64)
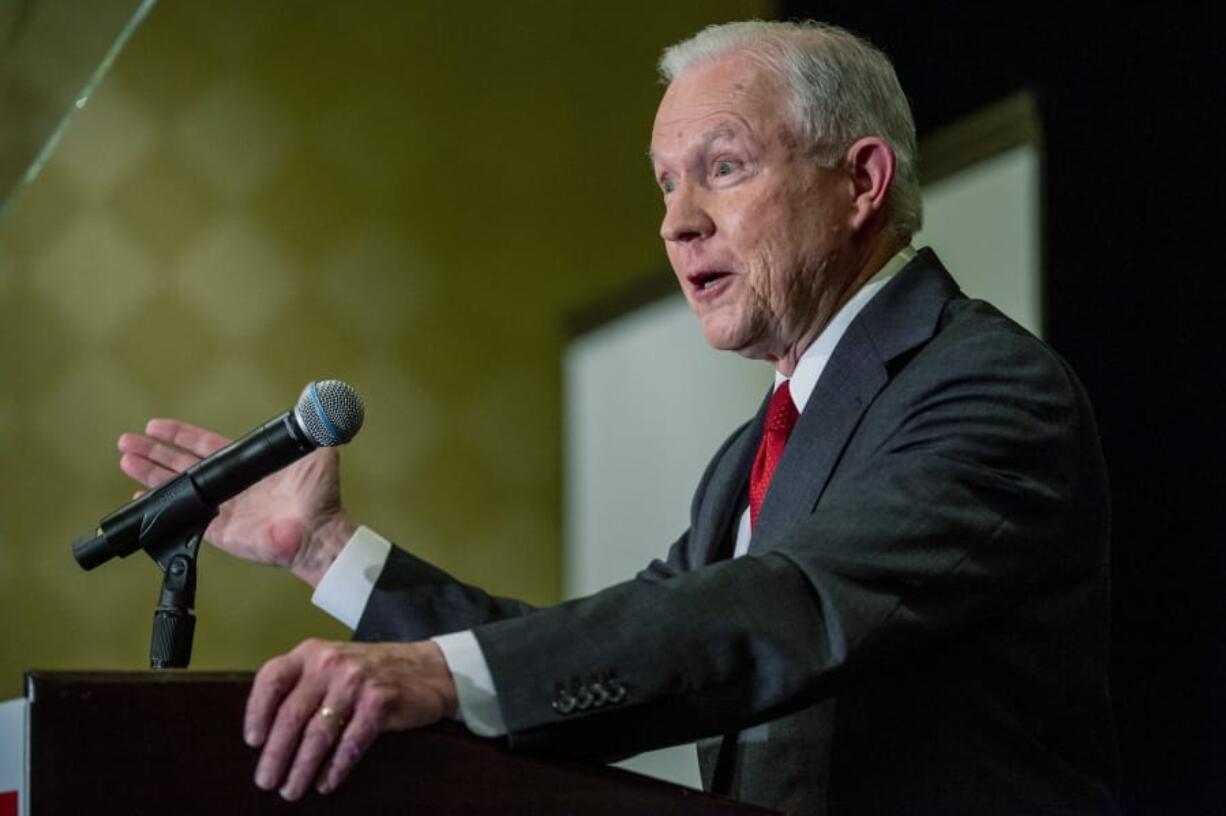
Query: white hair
(843,88)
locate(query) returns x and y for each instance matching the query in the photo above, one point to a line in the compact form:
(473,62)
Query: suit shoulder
(975,334)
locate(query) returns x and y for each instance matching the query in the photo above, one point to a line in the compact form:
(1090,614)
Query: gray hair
(843,88)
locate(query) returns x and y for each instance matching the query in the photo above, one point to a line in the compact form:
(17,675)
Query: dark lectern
(152,743)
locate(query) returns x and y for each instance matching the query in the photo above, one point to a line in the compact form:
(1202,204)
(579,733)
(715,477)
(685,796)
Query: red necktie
(781,416)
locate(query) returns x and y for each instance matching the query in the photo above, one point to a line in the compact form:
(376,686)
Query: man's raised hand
(293,518)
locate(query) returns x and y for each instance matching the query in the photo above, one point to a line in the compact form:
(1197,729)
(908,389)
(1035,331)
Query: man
(892,598)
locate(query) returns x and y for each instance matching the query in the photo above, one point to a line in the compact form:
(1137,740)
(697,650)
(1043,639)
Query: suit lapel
(901,316)
(716,517)
(852,377)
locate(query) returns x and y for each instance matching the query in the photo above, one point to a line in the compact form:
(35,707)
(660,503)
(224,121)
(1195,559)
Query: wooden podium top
(153,742)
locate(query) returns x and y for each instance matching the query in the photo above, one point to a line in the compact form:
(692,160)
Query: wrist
(321,547)
(431,656)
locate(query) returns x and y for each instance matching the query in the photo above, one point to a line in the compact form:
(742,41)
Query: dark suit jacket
(920,626)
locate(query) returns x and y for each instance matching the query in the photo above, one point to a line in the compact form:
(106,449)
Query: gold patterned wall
(408,196)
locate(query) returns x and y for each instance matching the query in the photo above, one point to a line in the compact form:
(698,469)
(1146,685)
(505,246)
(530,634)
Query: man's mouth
(704,280)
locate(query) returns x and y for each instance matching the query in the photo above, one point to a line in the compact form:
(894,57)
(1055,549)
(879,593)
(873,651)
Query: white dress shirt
(346,586)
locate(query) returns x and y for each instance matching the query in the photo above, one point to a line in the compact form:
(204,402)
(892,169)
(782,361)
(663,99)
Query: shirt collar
(813,362)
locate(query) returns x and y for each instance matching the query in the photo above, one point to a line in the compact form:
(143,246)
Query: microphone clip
(174,625)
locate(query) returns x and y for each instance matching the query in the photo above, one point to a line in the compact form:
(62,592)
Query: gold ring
(330,714)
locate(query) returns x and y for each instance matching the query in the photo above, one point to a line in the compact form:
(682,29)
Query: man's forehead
(662,144)
(720,97)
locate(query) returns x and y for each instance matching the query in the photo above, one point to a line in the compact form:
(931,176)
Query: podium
(170,742)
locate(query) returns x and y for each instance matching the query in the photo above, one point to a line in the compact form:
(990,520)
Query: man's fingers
(167,447)
(321,733)
(272,683)
(356,738)
(148,473)
(286,735)
(165,455)
(186,436)
(151,462)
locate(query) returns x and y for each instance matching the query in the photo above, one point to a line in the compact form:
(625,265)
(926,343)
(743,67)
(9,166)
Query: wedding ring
(331,715)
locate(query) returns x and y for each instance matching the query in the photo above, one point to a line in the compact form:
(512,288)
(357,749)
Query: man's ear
(870,166)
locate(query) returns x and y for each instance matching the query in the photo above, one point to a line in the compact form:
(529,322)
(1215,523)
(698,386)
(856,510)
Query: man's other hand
(318,708)
(293,518)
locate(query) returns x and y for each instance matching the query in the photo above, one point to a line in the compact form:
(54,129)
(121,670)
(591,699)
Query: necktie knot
(781,415)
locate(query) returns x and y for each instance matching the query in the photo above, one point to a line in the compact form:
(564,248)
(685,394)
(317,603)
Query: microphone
(329,413)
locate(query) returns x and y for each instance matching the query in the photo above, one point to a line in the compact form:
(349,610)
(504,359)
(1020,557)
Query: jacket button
(564,703)
(584,698)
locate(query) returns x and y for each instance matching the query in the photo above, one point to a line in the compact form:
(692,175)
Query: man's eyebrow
(717,133)
(708,137)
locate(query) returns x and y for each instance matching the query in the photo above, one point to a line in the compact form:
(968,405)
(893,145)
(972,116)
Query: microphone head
(330,412)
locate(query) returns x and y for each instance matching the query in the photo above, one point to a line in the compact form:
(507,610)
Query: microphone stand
(174,625)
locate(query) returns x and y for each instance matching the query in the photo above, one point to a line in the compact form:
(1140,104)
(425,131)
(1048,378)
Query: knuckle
(327,656)
(331,659)
(308,646)
(348,753)
(297,713)
(274,676)
(315,741)
(274,754)
(272,687)
(381,703)
(352,675)
(269,670)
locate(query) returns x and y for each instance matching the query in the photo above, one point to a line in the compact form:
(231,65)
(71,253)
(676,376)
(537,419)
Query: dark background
(1130,99)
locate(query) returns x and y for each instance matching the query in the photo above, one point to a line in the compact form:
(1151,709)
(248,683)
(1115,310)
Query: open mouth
(704,280)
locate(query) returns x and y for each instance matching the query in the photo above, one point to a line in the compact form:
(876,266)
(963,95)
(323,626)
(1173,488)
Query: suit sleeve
(413,599)
(950,506)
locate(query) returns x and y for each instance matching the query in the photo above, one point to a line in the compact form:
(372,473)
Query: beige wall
(408,196)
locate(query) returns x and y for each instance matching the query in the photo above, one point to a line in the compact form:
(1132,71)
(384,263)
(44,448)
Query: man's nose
(685,216)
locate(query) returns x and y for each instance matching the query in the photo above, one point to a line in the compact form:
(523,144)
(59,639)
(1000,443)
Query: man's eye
(668,185)
(724,167)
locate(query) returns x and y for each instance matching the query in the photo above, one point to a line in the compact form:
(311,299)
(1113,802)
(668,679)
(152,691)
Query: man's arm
(948,515)
(951,506)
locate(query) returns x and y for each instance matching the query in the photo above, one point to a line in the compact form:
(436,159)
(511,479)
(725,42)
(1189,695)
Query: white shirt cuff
(346,586)
(477,699)
(343,593)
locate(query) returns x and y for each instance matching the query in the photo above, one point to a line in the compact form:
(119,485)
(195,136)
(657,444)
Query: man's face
(754,228)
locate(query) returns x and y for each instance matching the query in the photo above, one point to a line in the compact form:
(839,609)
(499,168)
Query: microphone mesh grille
(342,412)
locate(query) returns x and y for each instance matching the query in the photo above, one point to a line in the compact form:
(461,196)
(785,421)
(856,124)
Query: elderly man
(893,595)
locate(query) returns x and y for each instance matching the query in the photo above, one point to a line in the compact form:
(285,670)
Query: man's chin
(727,338)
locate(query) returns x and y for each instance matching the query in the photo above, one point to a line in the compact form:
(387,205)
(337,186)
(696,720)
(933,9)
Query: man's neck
(885,246)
